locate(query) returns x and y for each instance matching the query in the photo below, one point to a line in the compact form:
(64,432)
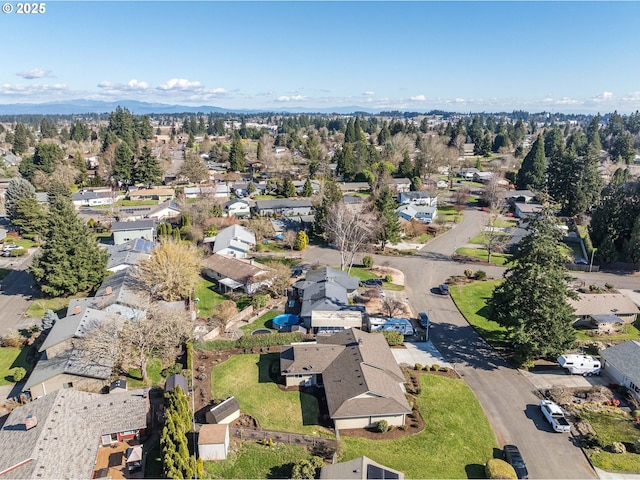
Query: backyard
(11,358)
(446,404)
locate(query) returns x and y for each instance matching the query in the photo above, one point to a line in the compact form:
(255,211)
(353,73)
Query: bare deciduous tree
(278,278)
(494,238)
(493,193)
(224,312)
(290,238)
(172,272)
(392,307)
(349,229)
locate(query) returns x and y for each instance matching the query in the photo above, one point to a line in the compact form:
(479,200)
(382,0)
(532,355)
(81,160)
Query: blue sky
(457,56)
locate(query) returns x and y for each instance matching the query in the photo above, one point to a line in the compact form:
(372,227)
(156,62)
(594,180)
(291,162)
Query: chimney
(108,291)
(77,309)
(30,422)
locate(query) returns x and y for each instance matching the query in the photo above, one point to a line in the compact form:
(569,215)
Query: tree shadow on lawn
(269,368)
(315,410)
(281,471)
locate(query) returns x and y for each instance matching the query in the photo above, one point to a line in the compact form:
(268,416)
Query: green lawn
(471,301)
(58,305)
(247,377)
(253,460)
(263,321)
(499,259)
(629,332)
(614,427)
(11,358)
(208,298)
(289,262)
(154,367)
(360,272)
(456,442)
(4,272)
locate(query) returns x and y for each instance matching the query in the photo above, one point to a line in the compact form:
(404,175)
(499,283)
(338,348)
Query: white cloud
(131,86)
(291,98)
(181,84)
(369,93)
(603,97)
(459,100)
(34,73)
(632,97)
(418,98)
(32,90)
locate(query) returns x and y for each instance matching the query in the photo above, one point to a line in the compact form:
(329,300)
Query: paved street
(15,294)
(508,397)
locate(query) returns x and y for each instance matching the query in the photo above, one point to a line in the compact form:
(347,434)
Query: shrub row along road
(508,399)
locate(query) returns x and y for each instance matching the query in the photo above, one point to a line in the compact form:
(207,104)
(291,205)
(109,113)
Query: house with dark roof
(362,381)
(421,213)
(125,231)
(88,198)
(60,434)
(225,412)
(62,364)
(622,364)
(325,290)
(234,241)
(121,293)
(284,206)
(361,468)
(232,273)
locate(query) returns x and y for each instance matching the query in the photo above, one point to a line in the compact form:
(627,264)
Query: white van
(580,364)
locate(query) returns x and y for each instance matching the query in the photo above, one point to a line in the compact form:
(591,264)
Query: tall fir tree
(20,139)
(71,260)
(123,164)
(236,155)
(17,189)
(389,229)
(532,302)
(532,173)
(307,190)
(147,169)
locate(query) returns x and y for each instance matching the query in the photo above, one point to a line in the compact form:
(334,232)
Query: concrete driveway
(424,353)
(546,379)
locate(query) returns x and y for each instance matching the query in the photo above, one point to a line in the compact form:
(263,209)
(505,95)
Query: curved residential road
(16,291)
(507,397)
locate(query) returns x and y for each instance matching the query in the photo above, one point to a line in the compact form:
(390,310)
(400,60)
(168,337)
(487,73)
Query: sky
(571,57)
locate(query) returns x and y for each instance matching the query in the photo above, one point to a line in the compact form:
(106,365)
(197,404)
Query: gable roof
(78,321)
(129,253)
(326,289)
(283,203)
(124,290)
(235,236)
(603,304)
(239,270)
(625,357)
(364,378)
(212,434)
(64,442)
(224,409)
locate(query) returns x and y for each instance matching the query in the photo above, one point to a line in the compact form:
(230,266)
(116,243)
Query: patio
(111,461)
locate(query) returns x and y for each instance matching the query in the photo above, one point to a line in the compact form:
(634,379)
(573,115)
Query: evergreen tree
(259,151)
(622,147)
(236,155)
(17,189)
(532,301)
(384,135)
(350,132)
(47,129)
(30,218)
(346,162)
(20,139)
(288,188)
(307,190)
(47,156)
(124,164)
(122,126)
(147,170)
(330,197)
(49,320)
(71,260)
(633,245)
(416,184)
(385,205)
(405,169)
(532,172)
(177,463)
(79,132)
(193,168)
(302,240)
(593,133)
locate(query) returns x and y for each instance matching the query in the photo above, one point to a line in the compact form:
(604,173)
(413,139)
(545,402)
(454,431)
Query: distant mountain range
(140,108)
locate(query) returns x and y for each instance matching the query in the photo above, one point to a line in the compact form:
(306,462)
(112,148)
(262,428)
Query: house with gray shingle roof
(232,273)
(121,293)
(59,435)
(284,206)
(362,380)
(125,231)
(235,241)
(128,254)
(325,290)
(588,305)
(622,363)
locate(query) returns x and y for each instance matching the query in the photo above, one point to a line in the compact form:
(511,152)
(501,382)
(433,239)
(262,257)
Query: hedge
(250,341)
(497,468)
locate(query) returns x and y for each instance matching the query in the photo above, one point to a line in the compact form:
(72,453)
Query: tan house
(159,194)
(362,380)
(598,308)
(232,273)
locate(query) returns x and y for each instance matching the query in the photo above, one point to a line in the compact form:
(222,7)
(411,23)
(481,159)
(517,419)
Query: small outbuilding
(213,442)
(176,380)
(361,468)
(225,412)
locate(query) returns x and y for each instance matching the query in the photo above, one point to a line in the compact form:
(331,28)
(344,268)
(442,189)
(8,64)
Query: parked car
(424,320)
(444,289)
(372,282)
(513,457)
(296,273)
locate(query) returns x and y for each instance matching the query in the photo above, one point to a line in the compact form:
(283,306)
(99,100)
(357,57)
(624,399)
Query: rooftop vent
(108,291)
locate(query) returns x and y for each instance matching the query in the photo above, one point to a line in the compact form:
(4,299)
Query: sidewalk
(616,476)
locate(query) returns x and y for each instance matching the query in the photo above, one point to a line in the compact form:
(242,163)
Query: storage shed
(225,412)
(213,442)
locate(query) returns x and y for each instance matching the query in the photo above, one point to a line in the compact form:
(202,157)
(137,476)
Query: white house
(422,197)
(235,241)
(88,198)
(420,213)
(622,364)
(237,208)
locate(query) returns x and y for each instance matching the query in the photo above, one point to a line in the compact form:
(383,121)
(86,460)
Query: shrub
(497,468)
(427,368)
(18,252)
(260,300)
(609,286)
(12,340)
(418,366)
(636,445)
(367,261)
(468,273)
(435,367)
(480,275)
(591,441)
(383,426)
(444,369)
(393,338)
(388,278)
(189,355)
(635,414)
(18,374)
(173,369)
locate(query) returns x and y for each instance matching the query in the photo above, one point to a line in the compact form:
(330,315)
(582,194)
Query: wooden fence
(283,437)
